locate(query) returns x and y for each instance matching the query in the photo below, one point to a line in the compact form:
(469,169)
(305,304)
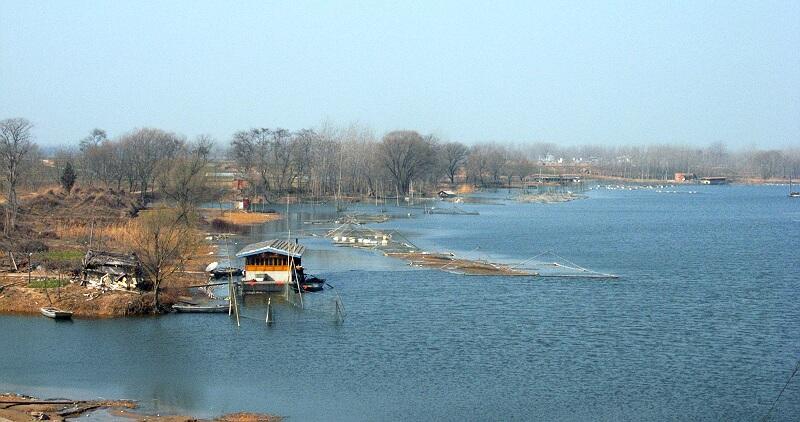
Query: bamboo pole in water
(233,305)
(270,319)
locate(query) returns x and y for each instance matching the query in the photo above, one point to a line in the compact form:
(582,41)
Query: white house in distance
(268,265)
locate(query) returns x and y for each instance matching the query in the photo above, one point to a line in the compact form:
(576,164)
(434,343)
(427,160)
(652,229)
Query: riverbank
(56,257)
(47,288)
(84,302)
(19,408)
(734,180)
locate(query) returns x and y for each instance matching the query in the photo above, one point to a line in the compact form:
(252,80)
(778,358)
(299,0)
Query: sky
(569,72)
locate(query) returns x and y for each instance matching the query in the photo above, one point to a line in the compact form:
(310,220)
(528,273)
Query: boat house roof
(278,246)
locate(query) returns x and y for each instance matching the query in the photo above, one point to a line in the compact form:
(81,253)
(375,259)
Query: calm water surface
(704,323)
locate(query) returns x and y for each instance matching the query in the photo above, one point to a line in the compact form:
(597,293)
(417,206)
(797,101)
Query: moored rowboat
(55,313)
(223,307)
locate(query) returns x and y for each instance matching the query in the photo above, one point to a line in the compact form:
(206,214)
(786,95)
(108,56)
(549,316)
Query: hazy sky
(565,72)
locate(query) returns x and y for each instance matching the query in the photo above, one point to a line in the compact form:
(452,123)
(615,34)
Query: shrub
(224,226)
(29,246)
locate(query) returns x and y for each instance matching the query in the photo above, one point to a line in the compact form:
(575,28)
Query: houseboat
(270,265)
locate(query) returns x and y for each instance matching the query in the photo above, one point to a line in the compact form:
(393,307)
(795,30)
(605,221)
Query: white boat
(55,313)
(203,309)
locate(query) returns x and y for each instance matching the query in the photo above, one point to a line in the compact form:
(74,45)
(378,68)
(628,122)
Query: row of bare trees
(143,161)
(351,160)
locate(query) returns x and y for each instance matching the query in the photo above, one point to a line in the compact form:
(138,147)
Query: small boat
(792,193)
(201,309)
(217,271)
(226,272)
(55,313)
(311,284)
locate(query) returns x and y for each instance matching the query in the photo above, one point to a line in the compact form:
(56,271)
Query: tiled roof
(277,246)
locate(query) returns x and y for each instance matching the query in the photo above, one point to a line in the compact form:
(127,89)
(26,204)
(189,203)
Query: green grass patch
(48,283)
(64,255)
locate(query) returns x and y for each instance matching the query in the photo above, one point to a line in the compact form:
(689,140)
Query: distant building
(548,158)
(244,204)
(684,177)
(220,176)
(446,194)
(239,184)
(713,180)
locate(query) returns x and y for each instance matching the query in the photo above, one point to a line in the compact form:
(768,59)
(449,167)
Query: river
(703,323)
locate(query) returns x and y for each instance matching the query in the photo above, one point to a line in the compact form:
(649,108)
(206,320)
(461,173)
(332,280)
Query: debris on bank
(109,270)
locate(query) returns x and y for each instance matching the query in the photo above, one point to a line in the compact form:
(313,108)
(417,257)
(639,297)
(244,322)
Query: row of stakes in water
(377,240)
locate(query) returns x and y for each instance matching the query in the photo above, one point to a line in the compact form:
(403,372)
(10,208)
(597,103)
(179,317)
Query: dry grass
(71,231)
(102,236)
(465,188)
(241,217)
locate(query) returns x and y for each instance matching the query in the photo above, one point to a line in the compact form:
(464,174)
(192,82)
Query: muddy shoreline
(20,408)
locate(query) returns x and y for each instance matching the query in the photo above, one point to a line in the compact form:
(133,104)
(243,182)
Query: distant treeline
(352,160)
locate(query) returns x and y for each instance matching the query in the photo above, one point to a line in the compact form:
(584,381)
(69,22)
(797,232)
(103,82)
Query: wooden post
(270,319)
(13,262)
(233,305)
(91,235)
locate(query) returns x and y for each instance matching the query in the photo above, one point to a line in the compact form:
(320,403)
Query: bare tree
(477,163)
(92,161)
(406,155)
(185,182)
(282,159)
(454,156)
(519,167)
(15,142)
(303,144)
(496,160)
(263,163)
(164,242)
(146,150)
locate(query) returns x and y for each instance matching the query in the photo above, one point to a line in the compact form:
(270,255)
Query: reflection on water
(702,325)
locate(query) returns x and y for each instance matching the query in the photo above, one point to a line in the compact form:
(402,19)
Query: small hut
(268,265)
